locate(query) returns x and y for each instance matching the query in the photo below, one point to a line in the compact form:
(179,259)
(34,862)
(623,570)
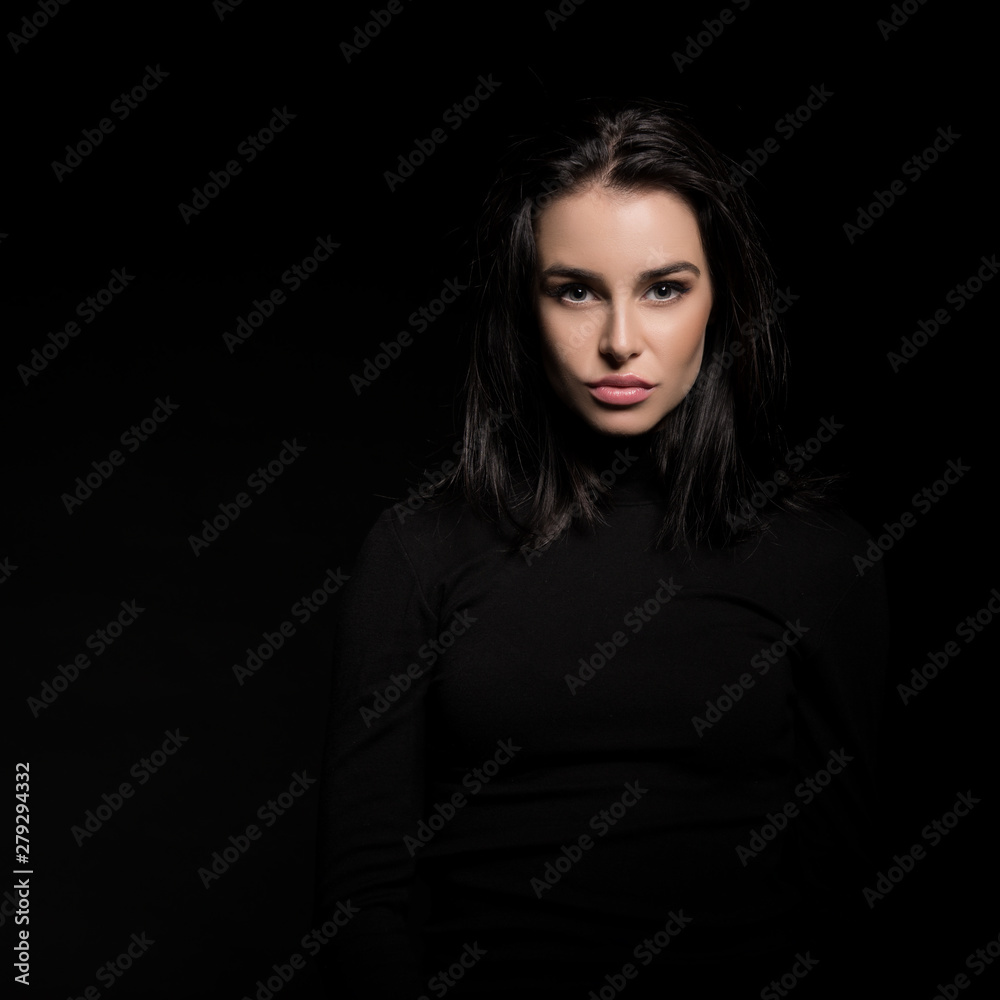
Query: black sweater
(539,762)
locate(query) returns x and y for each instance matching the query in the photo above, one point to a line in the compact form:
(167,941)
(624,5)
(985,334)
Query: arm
(372,776)
(840,691)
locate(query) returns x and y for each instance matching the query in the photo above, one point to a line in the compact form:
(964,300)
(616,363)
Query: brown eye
(665,291)
(569,293)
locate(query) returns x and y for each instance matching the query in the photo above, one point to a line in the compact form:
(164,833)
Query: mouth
(620,390)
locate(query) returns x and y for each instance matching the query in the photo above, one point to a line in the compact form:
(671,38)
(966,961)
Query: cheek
(553,354)
(563,336)
(697,346)
(696,353)
(682,339)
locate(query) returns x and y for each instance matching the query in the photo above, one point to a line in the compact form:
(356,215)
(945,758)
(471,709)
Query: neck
(624,462)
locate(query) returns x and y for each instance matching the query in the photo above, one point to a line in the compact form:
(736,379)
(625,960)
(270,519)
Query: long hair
(714,450)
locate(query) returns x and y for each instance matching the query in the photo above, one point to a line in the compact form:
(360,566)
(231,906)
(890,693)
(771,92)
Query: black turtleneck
(537,762)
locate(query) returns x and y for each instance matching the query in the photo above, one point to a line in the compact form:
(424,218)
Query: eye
(666,291)
(571,293)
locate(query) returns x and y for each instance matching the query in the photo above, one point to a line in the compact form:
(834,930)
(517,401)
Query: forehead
(631,227)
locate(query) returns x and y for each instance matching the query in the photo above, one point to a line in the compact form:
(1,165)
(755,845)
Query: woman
(604,709)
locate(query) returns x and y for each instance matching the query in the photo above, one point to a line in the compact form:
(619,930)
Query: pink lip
(620,390)
(622,380)
(619,395)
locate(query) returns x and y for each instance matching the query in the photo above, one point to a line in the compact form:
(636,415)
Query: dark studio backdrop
(167,702)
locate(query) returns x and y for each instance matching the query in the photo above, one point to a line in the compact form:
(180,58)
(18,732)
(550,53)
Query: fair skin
(623,290)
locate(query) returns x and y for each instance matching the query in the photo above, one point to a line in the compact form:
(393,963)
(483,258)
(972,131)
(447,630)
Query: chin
(621,424)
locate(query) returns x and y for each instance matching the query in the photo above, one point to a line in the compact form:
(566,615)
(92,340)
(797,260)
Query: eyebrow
(582,274)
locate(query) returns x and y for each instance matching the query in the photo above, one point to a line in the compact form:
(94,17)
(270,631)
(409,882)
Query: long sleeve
(649,641)
(373,770)
(840,687)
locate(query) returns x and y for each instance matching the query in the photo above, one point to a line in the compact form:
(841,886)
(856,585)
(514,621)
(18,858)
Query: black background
(323,176)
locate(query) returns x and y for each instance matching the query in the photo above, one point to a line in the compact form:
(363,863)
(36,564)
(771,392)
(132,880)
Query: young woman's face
(623,299)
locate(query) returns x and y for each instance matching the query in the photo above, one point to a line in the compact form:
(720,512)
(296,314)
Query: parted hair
(519,461)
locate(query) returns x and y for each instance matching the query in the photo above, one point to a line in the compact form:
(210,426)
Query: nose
(621,337)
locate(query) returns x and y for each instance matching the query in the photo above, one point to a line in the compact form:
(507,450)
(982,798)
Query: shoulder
(433,539)
(813,562)
(448,526)
(824,537)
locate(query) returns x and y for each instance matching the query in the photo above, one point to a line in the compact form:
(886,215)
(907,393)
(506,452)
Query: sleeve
(372,774)
(840,694)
